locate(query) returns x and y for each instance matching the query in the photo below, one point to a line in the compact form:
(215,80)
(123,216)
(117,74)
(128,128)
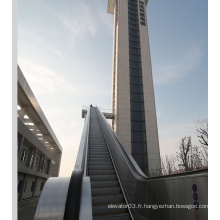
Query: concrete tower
(132,84)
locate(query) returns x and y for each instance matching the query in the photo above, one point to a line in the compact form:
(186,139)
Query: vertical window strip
(138,134)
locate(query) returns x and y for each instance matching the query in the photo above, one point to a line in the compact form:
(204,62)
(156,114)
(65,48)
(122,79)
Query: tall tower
(132,85)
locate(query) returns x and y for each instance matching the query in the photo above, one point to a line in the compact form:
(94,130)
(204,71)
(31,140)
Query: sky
(65,52)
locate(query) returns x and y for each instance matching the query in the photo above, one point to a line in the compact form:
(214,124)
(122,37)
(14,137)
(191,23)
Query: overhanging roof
(28,101)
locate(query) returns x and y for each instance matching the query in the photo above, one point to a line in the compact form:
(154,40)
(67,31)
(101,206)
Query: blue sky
(65,52)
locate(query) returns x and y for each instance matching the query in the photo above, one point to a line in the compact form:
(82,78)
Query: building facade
(38,150)
(133,101)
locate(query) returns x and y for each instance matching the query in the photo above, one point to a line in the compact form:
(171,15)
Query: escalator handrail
(129,159)
(72,207)
(81,160)
(133,164)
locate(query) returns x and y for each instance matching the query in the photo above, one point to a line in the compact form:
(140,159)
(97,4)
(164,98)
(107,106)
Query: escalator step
(94,154)
(104,148)
(101,160)
(105,210)
(103,167)
(101,172)
(97,157)
(107,199)
(104,184)
(103,177)
(105,191)
(100,163)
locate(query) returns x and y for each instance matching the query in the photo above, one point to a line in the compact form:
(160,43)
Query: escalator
(107,184)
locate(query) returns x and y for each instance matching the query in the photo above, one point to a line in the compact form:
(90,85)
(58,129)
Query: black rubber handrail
(72,207)
(73,200)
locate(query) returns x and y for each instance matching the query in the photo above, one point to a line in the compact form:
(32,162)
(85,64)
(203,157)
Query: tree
(202,134)
(168,165)
(189,156)
(202,130)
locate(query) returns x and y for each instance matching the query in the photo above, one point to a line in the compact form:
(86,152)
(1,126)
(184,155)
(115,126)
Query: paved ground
(26,209)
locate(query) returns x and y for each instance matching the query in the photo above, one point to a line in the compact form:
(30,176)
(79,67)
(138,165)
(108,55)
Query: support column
(29,158)
(35,186)
(35,153)
(48,166)
(20,145)
(42,158)
(22,187)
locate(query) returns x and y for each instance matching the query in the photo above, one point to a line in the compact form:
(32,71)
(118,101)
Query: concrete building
(133,101)
(39,152)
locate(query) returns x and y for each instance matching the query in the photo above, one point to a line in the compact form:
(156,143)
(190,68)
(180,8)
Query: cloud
(80,21)
(44,78)
(175,70)
(55,51)
(170,136)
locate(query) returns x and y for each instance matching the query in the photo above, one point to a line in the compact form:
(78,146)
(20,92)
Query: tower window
(137,116)
(133,32)
(136,96)
(136,88)
(134,51)
(137,126)
(138,136)
(137,80)
(136,72)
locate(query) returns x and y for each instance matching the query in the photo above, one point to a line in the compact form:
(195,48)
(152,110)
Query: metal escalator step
(100,140)
(105,191)
(105,210)
(96,138)
(101,160)
(97,157)
(98,148)
(100,163)
(104,184)
(103,167)
(93,145)
(107,199)
(119,216)
(103,177)
(94,154)
(95,148)
(101,172)
(98,151)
